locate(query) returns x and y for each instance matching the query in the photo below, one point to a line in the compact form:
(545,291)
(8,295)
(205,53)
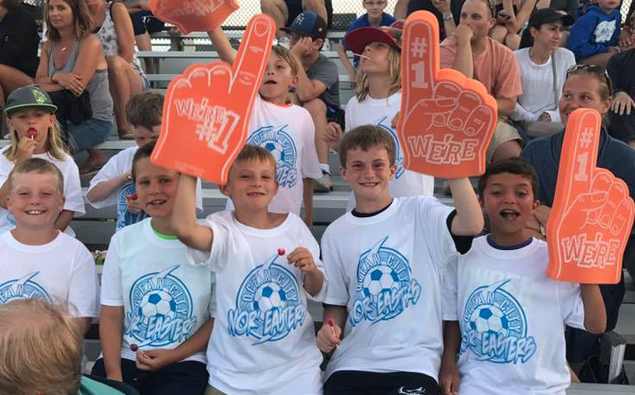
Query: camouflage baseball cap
(29,96)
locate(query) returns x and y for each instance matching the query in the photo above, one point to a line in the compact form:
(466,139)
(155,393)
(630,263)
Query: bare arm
(401,9)
(329,337)
(42,75)
(64,219)
(105,188)
(307,197)
(341,53)
(463,61)
(221,44)
(448,375)
(110,334)
(187,230)
(307,89)
(524,13)
(505,106)
(134,6)
(594,310)
(469,216)
(125,32)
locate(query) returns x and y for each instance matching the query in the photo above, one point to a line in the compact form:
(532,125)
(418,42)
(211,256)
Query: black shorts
(352,382)
(144,21)
(183,378)
(295,8)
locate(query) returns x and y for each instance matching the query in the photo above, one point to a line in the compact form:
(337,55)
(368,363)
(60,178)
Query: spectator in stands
(144,23)
(622,115)
(114,29)
(258,346)
(41,350)
(510,18)
(543,68)
(378,99)
(155,308)
(287,127)
(568,6)
(19,42)
(72,59)
(448,13)
(595,35)
(472,52)
(36,259)
(510,261)
(284,13)
(318,87)
(375,17)
(113,186)
(586,86)
(35,134)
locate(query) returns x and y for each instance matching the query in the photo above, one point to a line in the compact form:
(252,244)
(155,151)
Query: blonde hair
(366,137)
(394,67)
(38,166)
(40,349)
(56,147)
(81,17)
(254,152)
(284,54)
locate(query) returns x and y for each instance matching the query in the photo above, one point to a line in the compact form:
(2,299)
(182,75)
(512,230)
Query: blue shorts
(88,134)
(144,21)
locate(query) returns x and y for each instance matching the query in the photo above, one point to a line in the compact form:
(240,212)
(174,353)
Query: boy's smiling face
(369,173)
(35,200)
(251,185)
(509,202)
(277,80)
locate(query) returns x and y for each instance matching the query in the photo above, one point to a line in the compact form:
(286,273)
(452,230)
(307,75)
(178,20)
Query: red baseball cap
(357,39)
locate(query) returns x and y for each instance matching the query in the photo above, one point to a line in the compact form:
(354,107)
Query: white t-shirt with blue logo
(61,272)
(165,300)
(380,112)
(512,319)
(263,340)
(72,187)
(117,165)
(387,270)
(288,132)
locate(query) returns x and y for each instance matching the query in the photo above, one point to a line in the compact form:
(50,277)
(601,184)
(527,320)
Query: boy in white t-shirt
(113,185)
(36,259)
(263,340)
(286,130)
(512,316)
(384,262)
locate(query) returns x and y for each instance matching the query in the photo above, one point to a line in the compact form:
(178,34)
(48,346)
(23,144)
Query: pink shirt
(495,67)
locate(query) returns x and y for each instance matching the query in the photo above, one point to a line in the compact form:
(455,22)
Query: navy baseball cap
(546,15)
(308,24)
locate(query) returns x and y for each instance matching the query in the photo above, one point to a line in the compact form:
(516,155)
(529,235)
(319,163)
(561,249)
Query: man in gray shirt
(318,84)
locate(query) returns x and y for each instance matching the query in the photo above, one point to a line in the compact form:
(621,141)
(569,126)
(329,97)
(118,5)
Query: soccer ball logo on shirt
(161,310)
(125,217)
(384,285)
(282,147)
(399,159)
(22,288)
(268,304)
(494,326)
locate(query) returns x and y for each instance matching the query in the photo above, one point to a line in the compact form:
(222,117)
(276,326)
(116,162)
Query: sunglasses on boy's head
(596,70)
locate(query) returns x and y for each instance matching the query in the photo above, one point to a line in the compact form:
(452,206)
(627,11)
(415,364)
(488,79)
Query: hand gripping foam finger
(592,213)
(193,15)
(447,120)
(207,109)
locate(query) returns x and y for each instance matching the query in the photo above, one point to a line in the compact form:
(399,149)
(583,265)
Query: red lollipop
(134,347)
(32,133)
(281,251)
(133,196)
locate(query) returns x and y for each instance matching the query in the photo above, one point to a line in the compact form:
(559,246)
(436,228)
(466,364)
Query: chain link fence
(344,11)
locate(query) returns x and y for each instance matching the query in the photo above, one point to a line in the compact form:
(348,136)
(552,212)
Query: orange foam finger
(440,139)
(586,231)
(193,15)
(207,109)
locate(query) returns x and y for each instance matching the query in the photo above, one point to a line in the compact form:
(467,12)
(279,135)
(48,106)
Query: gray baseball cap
(29,96)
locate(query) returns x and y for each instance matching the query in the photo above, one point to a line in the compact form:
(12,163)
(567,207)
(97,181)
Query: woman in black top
(19,42)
